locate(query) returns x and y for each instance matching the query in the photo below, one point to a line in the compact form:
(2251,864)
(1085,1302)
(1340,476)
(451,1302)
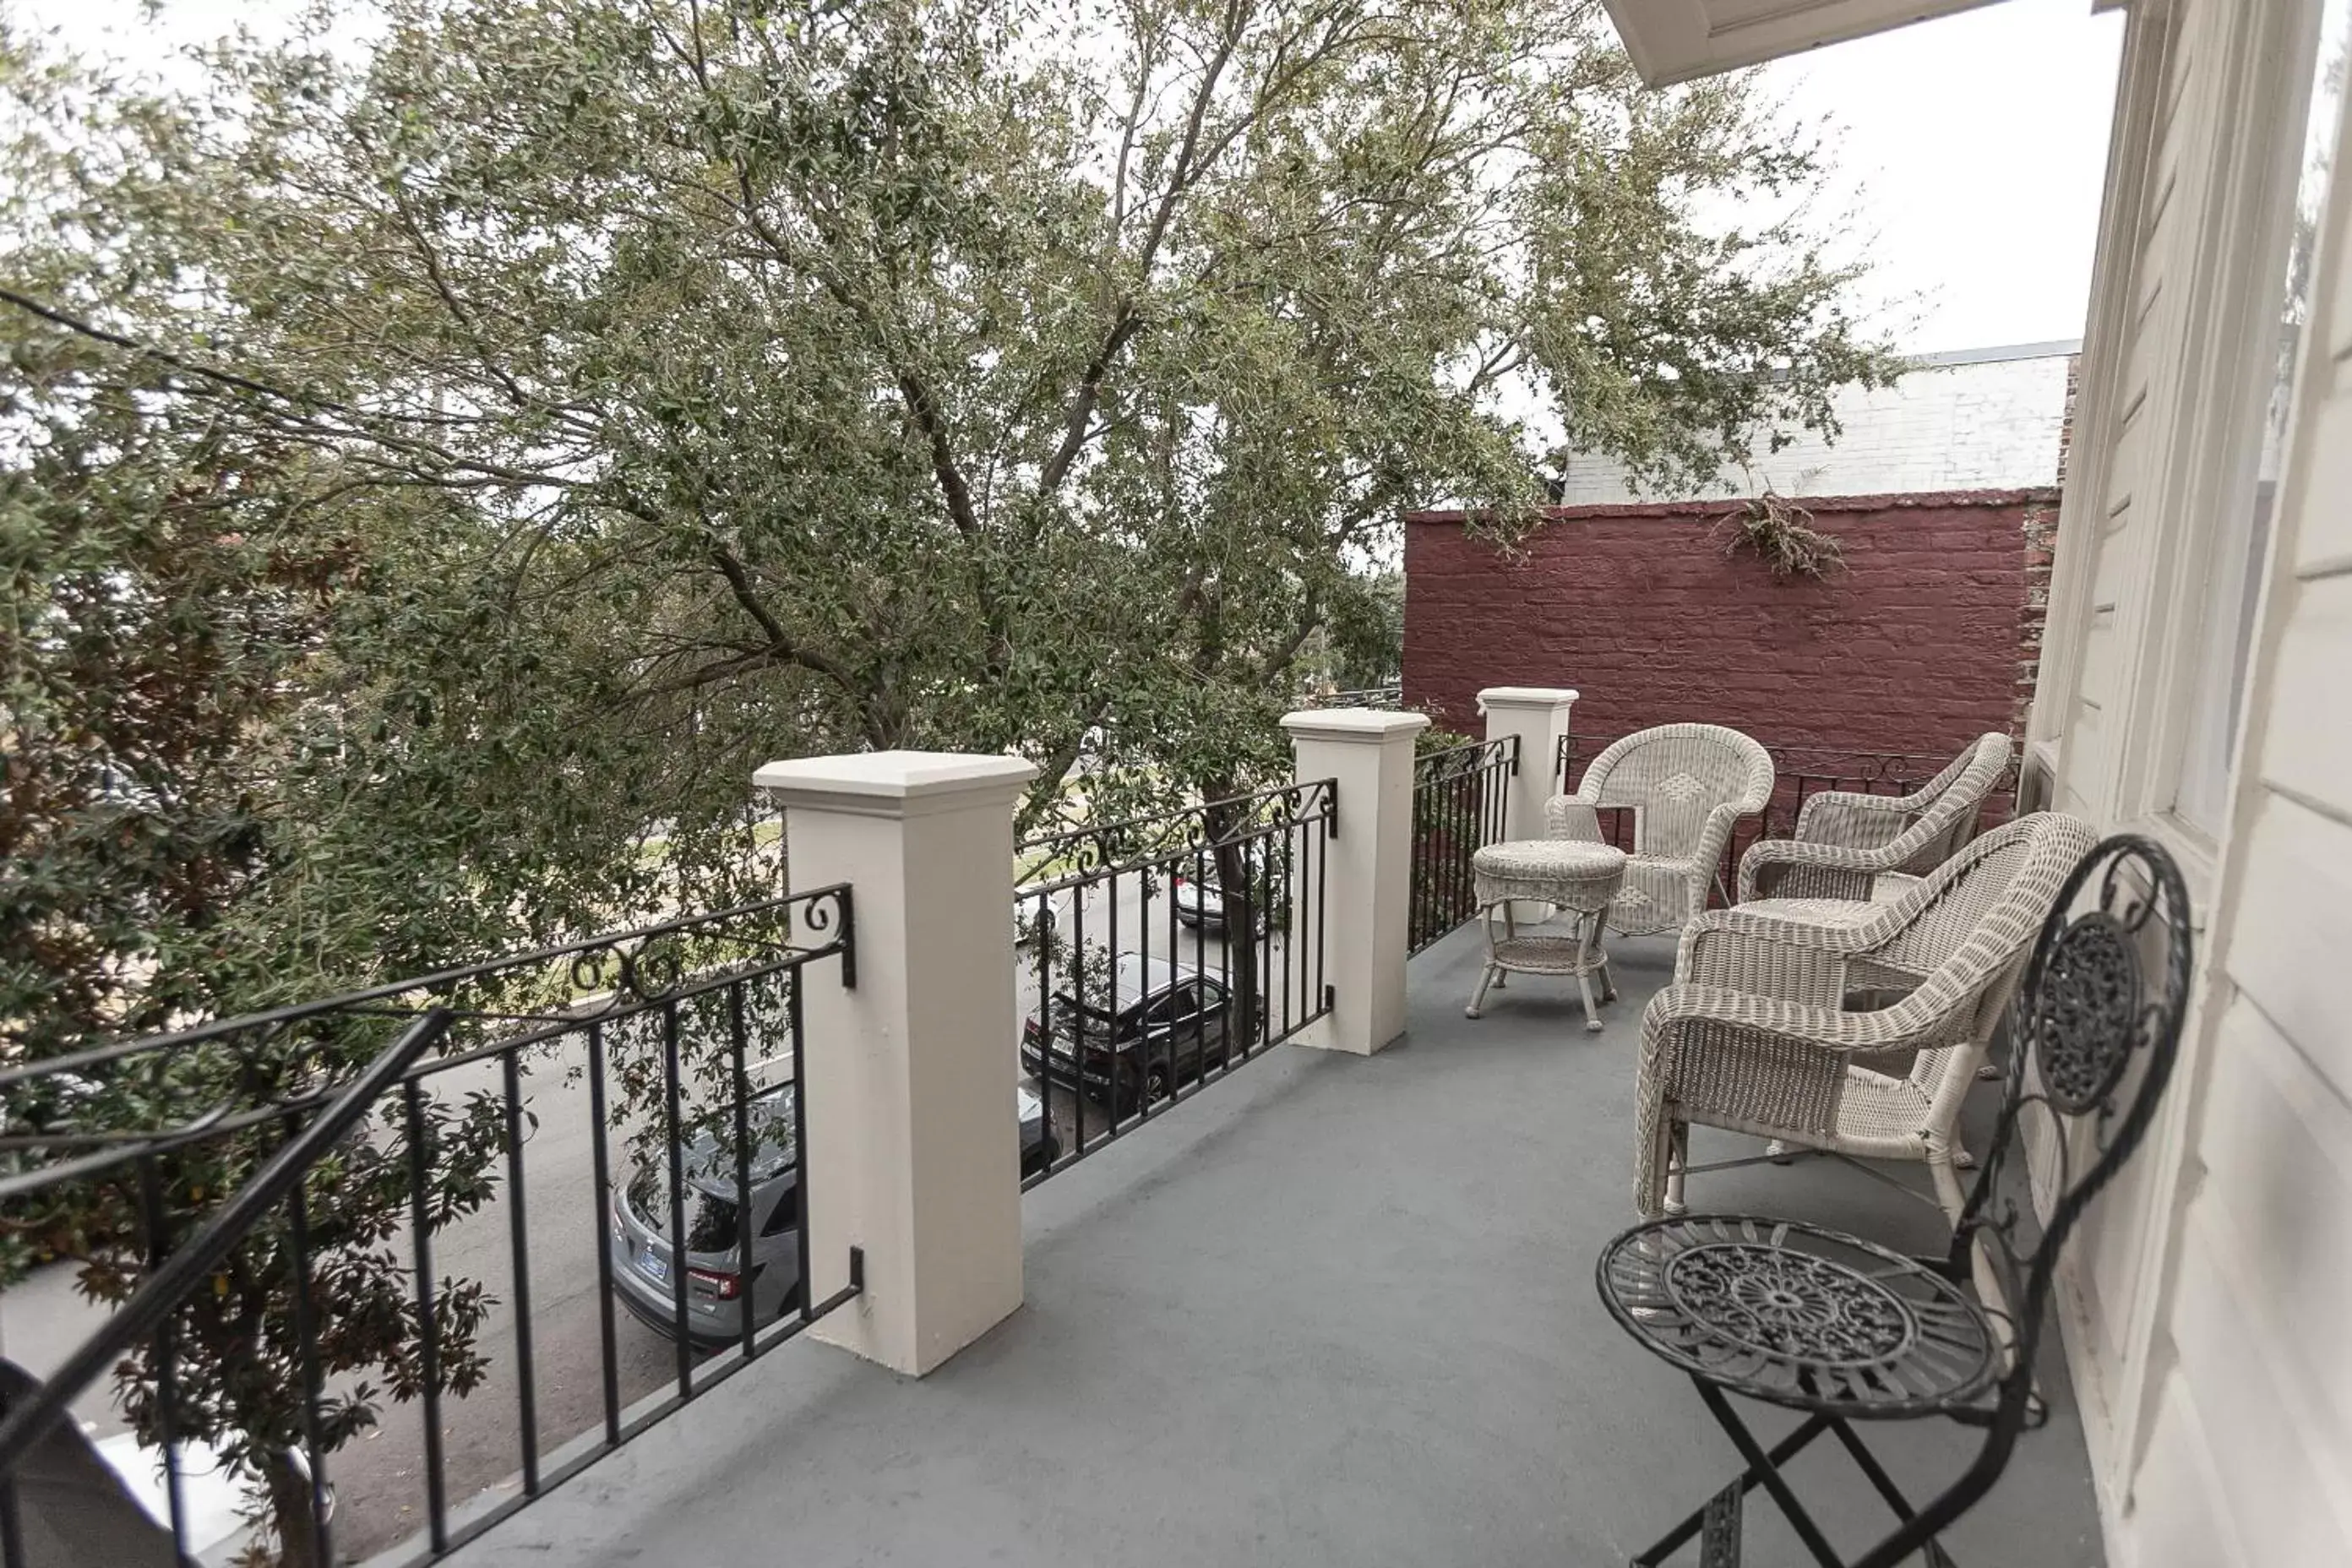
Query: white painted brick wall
(1993,425)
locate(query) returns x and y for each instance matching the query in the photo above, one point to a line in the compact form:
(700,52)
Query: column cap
(1526,697)
(1365,724)
(895,783)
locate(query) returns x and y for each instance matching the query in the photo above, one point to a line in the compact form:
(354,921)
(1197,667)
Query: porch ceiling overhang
(1676,40)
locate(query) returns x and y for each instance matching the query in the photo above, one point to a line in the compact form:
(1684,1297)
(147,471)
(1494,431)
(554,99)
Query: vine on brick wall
(1783,536)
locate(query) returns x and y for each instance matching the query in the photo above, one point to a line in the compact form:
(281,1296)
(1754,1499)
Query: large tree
(968,375)
(438,473)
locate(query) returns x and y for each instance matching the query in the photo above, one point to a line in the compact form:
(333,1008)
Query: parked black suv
(1162,1025)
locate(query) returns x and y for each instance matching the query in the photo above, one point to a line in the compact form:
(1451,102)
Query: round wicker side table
(1580,878)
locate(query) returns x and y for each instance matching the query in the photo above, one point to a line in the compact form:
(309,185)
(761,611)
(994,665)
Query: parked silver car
(1205,903)
(644,1265)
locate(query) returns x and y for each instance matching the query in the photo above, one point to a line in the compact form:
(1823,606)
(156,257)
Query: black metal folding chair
(1847,1331)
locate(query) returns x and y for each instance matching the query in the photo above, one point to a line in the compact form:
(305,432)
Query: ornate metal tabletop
(1799,1316)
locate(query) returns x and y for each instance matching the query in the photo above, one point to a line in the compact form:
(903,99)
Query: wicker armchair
(1686,785)
(1852,845)
(1754,1035)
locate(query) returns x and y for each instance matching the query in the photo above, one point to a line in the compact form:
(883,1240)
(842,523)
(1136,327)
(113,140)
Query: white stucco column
(1367,880)
(913,1134)
(1538,716)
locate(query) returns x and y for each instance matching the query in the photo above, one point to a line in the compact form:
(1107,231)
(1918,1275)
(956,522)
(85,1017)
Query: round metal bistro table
(1813,1320)
(1580,880)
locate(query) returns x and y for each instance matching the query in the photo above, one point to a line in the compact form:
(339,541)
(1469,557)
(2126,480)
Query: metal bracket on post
(848,937)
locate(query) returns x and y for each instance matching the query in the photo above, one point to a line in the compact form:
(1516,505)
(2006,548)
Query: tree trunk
(299,1545)
(1244,922)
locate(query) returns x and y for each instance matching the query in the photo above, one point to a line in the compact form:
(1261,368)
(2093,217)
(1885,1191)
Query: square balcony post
(913,1134)
(1367,880)
(1538,716)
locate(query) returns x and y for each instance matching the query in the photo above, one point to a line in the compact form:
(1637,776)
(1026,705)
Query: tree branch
(922,406)
(1060,760)
(1126,320)
(161,356)
(711,674)
(1278,657)
(782,648)
(926,412)
(448,295)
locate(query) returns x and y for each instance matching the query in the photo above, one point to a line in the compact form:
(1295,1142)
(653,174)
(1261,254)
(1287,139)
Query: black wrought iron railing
(375,1214)
(1156,955)
(1799,773)
(1460,796)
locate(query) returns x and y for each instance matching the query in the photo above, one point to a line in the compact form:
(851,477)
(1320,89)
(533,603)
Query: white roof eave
(1679,40)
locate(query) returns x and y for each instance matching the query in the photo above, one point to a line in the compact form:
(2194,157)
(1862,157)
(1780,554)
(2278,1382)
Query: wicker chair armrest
(1720,1070)
(1854,821)
(1860,936)
(1792,869)
(1714,838)
(1759,964)
(1573,816)
(1825,1029)
(1733,1056)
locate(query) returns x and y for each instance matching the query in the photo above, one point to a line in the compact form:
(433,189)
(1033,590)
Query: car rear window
(786,1214)
(711,1220)
(1069,1017)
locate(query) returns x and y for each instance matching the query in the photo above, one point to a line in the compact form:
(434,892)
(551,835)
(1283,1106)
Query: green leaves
(572,405)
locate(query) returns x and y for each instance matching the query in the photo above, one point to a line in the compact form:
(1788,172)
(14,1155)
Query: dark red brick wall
(1925,639)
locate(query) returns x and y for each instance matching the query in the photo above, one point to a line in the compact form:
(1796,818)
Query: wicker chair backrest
(1674,776)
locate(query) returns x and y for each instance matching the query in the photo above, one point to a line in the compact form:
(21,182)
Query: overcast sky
(1970,150)
(1974,147)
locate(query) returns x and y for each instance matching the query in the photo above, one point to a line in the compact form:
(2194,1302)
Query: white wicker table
(1578,878)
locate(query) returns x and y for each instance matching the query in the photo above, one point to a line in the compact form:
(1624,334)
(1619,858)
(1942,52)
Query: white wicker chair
(1754,1035)
(1859,846)
(1687,784)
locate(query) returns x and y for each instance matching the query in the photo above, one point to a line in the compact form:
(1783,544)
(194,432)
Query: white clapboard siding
(2153,403)
(2243,1453)
(2149,399)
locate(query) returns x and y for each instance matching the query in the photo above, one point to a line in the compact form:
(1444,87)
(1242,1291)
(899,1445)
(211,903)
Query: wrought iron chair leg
(1719,1542)
(1787,1449)
(1871,1467)
(1769,1476)
(1867,1462)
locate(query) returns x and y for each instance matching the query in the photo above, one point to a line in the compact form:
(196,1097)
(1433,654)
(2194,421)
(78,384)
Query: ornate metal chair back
(2094,1030)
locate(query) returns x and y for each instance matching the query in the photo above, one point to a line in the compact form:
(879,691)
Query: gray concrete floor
(1333,1310)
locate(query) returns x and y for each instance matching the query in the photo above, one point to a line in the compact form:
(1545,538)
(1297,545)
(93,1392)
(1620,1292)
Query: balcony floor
(1334,1310)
